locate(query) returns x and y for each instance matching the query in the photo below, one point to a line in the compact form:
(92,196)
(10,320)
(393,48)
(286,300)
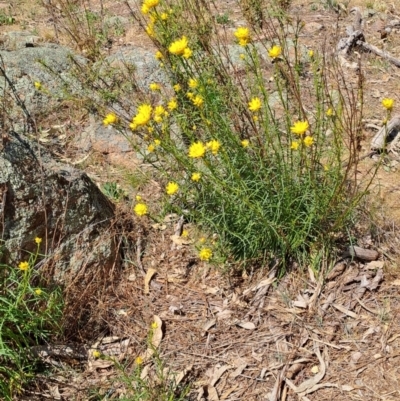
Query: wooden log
(387,133)
(379,52)
(362,253)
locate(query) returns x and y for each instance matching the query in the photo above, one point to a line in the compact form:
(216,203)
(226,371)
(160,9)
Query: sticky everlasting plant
(259,164)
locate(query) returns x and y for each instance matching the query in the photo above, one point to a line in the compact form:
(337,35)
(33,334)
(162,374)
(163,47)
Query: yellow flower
(255,118)
(388,103)
(172,188)
(38,240)
(242,35)
(196,177)
(149,4)
(38,85)
(308,141)
(138,198)
(193,83)
(164,16)
(242,56)
(150,30)
(133,126)
(140,209)
(275,51)
(23,266)
(150,130)
(198,100)
(159,55)
(295,145)
(214,146)
(145,9)
(299,127)
(178,47)
(245,143)
(153,18)
(187,53)
(311,53)
(154,325)
(143,115)
(197,150)
(158,119)
(150,148)
(157,142)
(185,234)
(110,118)
(330,112)
(96,353)
(159,110)
(190,95)
(205,254)
(255,104)
(172,104)
(326,167)
(154,86)
(38,291)
(139,360)
(177,87)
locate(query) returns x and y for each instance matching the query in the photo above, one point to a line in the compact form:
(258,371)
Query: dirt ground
(248,336)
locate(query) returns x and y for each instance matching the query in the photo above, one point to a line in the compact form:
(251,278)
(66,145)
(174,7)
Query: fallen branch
(356,38)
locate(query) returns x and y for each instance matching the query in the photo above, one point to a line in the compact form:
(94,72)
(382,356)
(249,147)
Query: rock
(50,65)
(18,40)
(147,68)
(40,197)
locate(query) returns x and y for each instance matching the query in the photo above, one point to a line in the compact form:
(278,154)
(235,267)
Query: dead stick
(379,52)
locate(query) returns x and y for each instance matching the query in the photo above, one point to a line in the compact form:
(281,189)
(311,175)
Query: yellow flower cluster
(255,104)
(148,5)
(181,48)
(110,118)
(196,177)
(24,266)
(388,103)
(243,36)
(275,52)
(172,188)
(299,127)
(197,150)
(142,117)
(205,254)
(140,209)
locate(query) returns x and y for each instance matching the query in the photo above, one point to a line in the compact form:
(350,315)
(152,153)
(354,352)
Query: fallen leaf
(180,376)
(239,370)
(178,240)
(375,264)
(347,312)
(246,325)
(149,275)
(225,314)
(207,326)
(212,394)
(217,373)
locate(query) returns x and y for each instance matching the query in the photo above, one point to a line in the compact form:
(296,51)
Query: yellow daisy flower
(299,127)
(205,254)
(140,209)
(388,103)
(196,177)
(197,150)
(255,104)
(214,146)
(178,47)
(308,141)
(275,52)
(172,188)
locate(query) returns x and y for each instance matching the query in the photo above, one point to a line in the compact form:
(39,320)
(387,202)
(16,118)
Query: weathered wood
(386,133)
(379,52)
(356,38)
(362,253)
